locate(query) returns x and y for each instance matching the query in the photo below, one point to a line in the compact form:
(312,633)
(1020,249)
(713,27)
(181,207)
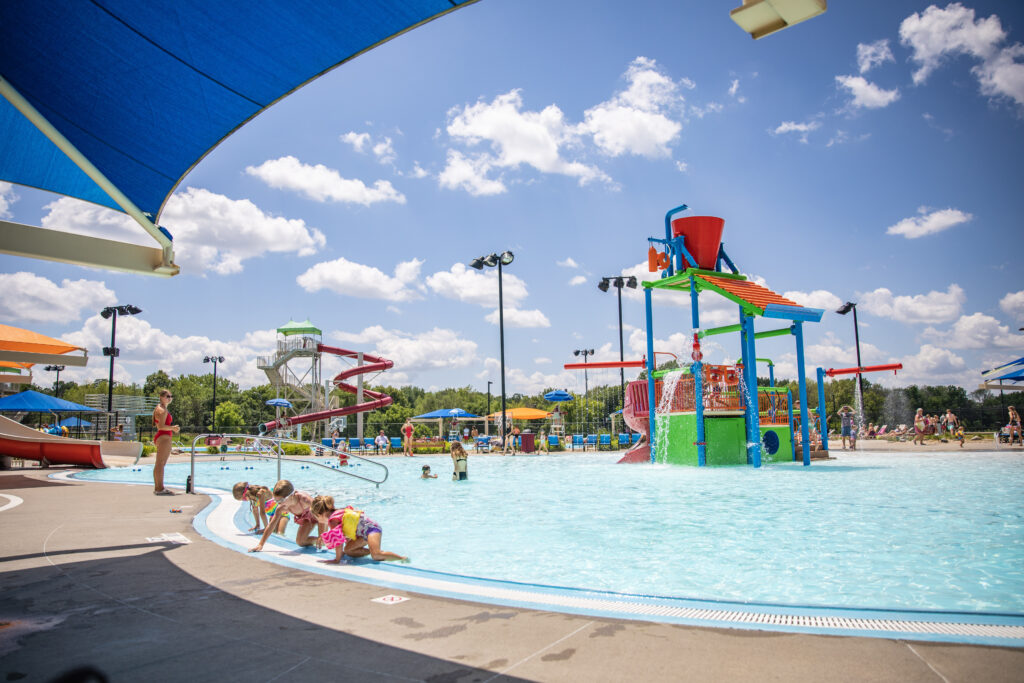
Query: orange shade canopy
(27,341)
(522,414)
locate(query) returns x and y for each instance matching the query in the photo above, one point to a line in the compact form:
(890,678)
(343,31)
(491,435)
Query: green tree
(229,417)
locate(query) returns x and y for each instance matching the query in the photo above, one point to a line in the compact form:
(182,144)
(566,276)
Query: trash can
(527,442)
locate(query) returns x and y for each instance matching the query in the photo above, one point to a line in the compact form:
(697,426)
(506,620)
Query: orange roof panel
(748,291)
(17,339)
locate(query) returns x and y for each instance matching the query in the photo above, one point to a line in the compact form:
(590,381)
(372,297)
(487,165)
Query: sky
(871,154)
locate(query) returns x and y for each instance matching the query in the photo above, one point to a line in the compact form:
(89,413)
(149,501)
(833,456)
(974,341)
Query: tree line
(242,410)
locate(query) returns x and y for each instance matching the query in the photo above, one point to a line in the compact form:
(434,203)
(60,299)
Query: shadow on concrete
(20,481)
(141,617)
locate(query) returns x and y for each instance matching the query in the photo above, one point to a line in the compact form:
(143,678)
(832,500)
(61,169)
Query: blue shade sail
(144,90)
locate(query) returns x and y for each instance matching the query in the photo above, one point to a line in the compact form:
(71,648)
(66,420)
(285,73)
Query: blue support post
(822,421)
(771,374)
(668,233)
(750,371)
(698,377)
(805,410)
(792,441)
(650,370)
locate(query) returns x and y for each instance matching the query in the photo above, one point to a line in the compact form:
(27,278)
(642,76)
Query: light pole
(215,360)
(586,390)
(111,313)
(56,382)
(490,261)
(843,310)
(619,282)
(489,383)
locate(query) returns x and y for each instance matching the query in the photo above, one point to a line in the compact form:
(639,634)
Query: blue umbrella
(279,403)
(558,395)
(445,412)
(34,402)
(74,422)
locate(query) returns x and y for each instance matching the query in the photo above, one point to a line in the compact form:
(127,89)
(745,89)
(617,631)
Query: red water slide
(637,416)
(379,400)
(20,441)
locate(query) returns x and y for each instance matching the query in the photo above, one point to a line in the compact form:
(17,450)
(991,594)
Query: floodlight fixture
(846,308)
(603,284)
(507,257)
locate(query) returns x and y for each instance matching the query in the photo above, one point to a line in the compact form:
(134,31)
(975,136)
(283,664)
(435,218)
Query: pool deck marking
(224,522)
(12,501)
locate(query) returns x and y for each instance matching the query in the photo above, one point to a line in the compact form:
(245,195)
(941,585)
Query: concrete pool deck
(82,585)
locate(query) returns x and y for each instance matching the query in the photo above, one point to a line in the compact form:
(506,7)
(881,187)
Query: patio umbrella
(279,403)
(557,396)
(35,402)
(74,422)
(523,414)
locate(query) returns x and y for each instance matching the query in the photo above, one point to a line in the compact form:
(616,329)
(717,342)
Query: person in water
(459,461)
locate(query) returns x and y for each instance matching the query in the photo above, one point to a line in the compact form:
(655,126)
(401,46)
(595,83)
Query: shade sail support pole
(11,94)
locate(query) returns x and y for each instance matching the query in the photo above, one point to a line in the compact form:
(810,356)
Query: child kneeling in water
(350,532)
(298,504)
(261,504)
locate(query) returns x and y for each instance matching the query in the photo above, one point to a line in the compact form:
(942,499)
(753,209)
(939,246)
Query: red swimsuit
(161,432)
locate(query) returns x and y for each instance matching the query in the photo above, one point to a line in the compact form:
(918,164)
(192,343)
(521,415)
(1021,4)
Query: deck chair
(396,443)
(623,440)
(881,432)
(552,441)
(577,442)
(605,442)
(592,442)
(354,444)
(635,438)
(483,444)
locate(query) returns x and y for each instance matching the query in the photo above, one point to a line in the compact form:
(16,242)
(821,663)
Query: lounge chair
(396,443)
(483,444)
(577,442)
(605,442)
(552,441)
(355,445)
(635,438)
(592,442)
(881,432)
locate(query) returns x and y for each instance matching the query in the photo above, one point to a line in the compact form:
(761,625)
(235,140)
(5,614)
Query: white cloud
(384,151)
(709,108)
(976,331)
(413,353)
(542,361)
(946,132)
(866,94)
(418,171)
(734,87)
(930,365)
(477,287)
(819,298)
(144,348)
(793,127)
(567,263)
(933,307)
(636,120)
(516,138)
(937,34)
(1013,304)
(841,137)
(470,174)
(870,55)
(928,223)
(682,166)
(357,140)
(322,184)
(517,317)
(830,351)
(211,232)
(344,277)
(578,280)
(31,298)
(7,197)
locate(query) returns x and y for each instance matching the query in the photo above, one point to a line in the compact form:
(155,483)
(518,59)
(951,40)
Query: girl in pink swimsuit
(162,439)
(298,504)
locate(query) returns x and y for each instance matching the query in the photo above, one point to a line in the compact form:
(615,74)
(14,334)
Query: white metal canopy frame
(114,102)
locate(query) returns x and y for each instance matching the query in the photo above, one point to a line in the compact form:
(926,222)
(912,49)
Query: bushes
(148,449)
(295,449)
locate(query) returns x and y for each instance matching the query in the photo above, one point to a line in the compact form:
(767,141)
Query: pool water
(891,531)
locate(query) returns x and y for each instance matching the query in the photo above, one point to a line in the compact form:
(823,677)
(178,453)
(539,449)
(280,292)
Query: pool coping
(224,522)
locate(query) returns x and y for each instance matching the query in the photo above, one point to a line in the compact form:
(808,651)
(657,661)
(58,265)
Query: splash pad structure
(716,414)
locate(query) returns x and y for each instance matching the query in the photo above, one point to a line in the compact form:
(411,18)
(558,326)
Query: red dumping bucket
(703,236)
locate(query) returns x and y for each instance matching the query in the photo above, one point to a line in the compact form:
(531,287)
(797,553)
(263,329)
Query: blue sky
(870,154)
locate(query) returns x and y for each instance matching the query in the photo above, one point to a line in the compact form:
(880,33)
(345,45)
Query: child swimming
(298,504)
(350,532)
(261,503)
(426,473)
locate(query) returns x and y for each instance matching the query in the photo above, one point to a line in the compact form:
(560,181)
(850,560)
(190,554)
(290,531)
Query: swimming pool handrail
(274,452)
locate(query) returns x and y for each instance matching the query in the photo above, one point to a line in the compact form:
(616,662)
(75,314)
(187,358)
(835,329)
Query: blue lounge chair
(577,442)
(606,441)
(623,440)
(636,437)
(592,441)
(368,444)
(354,444)
(553,441)
(396,443)
(483,444)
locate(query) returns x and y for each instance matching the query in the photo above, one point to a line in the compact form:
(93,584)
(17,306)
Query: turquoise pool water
(892,531)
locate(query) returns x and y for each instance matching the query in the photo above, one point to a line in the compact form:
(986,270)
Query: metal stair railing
(271,448)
